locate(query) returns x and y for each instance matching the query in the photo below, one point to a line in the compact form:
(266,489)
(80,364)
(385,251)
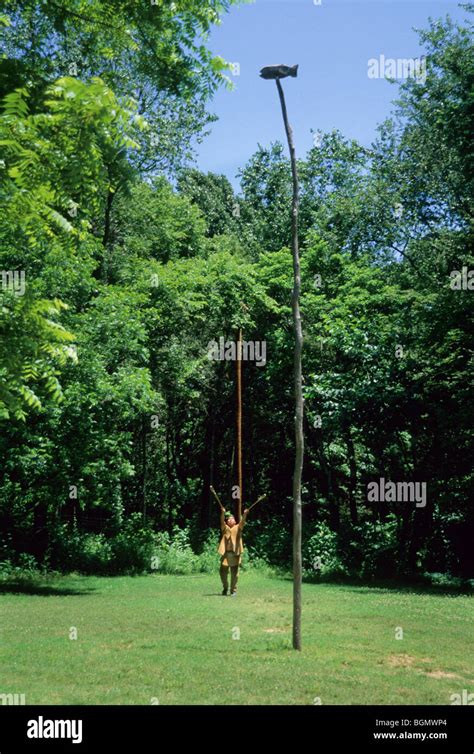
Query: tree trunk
(298,385)
(169,502)
(144,463)
(334,513)
(352,476)
(207,464)
(108,212)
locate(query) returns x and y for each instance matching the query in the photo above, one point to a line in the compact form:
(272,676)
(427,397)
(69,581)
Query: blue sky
(332,42)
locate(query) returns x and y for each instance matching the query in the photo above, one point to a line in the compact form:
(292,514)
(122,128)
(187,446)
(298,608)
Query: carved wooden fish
(279,71)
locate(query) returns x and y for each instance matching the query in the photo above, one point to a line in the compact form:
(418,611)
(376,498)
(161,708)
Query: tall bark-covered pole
(298,384)
(239,424)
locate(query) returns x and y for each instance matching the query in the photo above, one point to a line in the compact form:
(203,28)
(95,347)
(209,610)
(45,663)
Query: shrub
(253,562)
(132,546)
(371,549)
(174,554)
(270,540)
(208,558)
(320,553)
(23,573)
(75,550)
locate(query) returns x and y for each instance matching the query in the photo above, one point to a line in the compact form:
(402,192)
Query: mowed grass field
(175,640)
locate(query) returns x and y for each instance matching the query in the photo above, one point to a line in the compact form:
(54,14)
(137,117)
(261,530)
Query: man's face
(231,521)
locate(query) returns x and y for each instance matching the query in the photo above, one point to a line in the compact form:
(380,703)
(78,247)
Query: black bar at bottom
(151,728)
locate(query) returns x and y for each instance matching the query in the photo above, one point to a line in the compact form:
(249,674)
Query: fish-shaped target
(279,71)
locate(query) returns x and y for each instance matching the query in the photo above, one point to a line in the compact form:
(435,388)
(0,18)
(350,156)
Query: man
(230,549)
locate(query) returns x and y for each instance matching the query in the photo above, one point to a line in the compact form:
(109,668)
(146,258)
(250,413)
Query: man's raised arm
(243,519)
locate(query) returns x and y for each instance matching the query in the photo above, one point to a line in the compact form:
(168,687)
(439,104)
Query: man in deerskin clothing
(230,549)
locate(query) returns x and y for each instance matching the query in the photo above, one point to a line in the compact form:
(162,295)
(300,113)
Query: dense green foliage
(114,420)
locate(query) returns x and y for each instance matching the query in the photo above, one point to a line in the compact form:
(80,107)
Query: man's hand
(246,511)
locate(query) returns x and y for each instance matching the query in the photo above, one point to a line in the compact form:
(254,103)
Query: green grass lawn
(171,639)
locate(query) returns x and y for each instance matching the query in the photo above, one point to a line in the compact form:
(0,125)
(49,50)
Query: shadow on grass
(409,586)
(42,589)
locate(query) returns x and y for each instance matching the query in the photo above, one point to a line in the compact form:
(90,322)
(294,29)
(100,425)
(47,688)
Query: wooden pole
(239,425)
(298,384)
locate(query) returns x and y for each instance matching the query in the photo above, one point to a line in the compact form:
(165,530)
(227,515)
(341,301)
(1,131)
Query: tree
(34,348)
(266,191)
(214,196)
